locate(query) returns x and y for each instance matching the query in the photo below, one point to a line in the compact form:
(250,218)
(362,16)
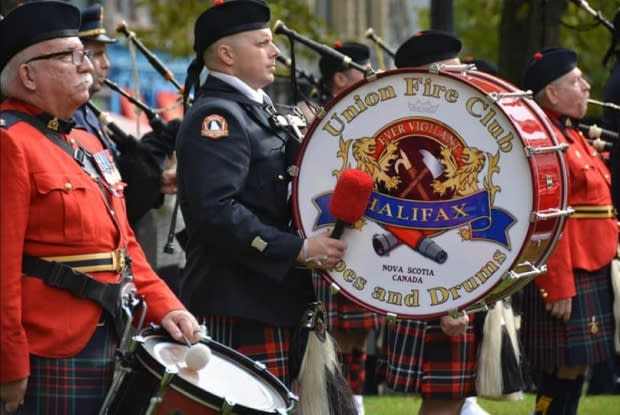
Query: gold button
(112,213)
(72,140)
(586,167)
(280,177)
(68,187)
(94,178)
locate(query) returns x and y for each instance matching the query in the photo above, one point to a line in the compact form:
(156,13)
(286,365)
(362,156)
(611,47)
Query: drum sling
(59,275)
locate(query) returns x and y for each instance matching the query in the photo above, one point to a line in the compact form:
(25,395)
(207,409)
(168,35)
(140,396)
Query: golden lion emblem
(363,152)
(463,180)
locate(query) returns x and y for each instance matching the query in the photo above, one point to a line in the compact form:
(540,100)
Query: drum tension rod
(550,214)
(530,151)
(534,271)
(496,96)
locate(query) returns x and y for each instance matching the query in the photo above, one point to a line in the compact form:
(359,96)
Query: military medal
(107,168)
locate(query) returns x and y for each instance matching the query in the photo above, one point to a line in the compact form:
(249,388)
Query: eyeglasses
(77,56)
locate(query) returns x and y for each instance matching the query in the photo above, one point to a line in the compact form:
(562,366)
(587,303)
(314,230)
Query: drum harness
(69,272)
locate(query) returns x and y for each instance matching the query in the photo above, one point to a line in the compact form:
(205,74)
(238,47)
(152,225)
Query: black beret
(426,47)
(482,65)
(358,53)
(34,22)
(548,65)
(92,29)
(228,18)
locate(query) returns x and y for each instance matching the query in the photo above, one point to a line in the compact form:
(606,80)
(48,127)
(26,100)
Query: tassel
(615,283)
(499,372)
(322,388)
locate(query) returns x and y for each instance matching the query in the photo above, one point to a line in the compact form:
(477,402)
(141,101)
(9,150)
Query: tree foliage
(173,23)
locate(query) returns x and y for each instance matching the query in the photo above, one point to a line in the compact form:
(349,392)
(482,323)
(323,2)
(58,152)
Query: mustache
(85,78)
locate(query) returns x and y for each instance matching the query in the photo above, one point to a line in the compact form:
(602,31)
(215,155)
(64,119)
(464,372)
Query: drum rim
(535,111)
(193,392)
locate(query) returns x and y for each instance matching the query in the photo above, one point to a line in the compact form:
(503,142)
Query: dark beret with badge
(35,22)
(92,29)
(426,47)
(358,53)
(224,18)
(547,65)
(227,18)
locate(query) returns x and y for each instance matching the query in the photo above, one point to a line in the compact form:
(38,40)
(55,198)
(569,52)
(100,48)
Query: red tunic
(587,244)
(51,207)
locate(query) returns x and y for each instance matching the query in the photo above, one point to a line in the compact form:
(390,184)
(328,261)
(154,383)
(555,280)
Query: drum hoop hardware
(498,96)
(227,407)
(534,271)
(436,68)
(164,384)
(550,214)
(260,366)
(531,151)
(478,307)
(334,288)
(391,317)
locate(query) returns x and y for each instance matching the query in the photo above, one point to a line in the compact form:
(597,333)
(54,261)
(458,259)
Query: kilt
(267,344)
(73,386)
(342,313)
(421,359)
(549,343)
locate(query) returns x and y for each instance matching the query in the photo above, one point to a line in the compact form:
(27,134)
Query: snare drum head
(229,376)
(454,190)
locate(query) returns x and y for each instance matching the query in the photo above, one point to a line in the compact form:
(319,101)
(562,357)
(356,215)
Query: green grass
(408,405)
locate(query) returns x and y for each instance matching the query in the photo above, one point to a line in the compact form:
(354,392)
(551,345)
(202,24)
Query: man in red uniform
(62,203)
(568,321)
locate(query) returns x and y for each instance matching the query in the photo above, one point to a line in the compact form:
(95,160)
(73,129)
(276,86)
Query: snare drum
(230,383)
(469,198)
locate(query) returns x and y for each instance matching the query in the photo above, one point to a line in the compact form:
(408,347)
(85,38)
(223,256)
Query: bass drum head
(450,215)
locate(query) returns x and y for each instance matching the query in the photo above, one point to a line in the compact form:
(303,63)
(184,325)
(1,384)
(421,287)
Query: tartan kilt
(342,313)
(73,386)
(263,343)
(549,343)
(421,359)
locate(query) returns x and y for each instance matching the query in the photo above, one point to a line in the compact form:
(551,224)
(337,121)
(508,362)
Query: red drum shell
(470,190)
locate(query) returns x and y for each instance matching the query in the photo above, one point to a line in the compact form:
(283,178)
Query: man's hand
(179,323)
(454,326)
(561,309)
(12,394)
(323,252)
(169,181)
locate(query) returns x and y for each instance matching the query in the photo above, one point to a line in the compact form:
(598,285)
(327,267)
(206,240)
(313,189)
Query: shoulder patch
(214,126)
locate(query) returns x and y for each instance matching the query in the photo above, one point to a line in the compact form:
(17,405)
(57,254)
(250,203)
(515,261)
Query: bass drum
(161,383)
(469,197)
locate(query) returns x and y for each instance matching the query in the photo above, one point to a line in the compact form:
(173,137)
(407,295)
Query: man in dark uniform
(141,164)
(242,273)
(567,323)
(66,241)
(349,323)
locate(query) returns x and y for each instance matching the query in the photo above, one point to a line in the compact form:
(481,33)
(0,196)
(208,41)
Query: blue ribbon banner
(486,222)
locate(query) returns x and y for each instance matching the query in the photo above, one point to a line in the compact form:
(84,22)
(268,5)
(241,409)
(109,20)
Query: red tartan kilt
(342,313)
(421,359)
